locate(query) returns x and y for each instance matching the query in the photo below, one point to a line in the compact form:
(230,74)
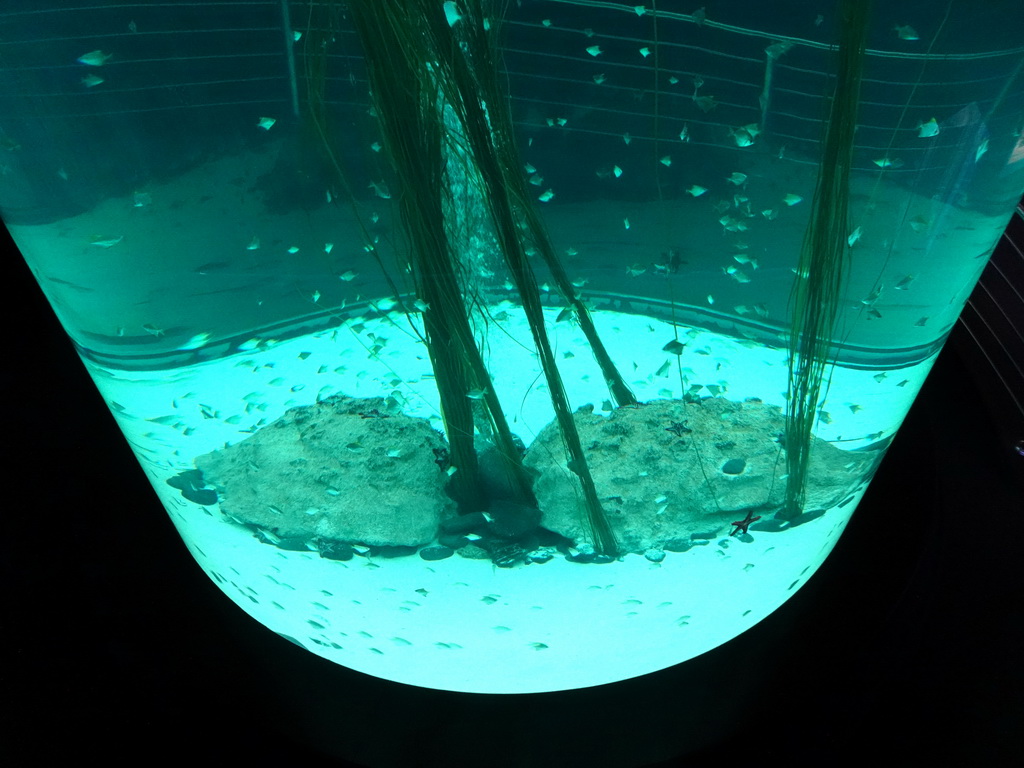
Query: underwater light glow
(517,353)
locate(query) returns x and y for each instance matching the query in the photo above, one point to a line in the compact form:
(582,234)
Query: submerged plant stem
(479,72)
(471,72)
(407,91)
(820,275)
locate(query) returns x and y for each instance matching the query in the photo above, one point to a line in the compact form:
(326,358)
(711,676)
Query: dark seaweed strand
(482,67)
(815,295)
(406,109)
(498,168)
(400,52)
(315,61)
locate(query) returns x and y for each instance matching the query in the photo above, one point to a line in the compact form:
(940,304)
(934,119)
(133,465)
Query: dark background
(906,646)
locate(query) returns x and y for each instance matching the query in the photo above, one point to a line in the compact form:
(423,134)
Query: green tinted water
(282,400)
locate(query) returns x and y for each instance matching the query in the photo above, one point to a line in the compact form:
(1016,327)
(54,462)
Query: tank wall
(248,297)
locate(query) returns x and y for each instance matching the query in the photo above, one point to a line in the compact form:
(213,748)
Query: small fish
(887,162)
(675,346)
(731,223)
(792,199)
(253,245)
(451,13)
(600,79)
(635,270)
(904,282)
(696,190)
(421,305)
(625,223)
(595,50)
(106,242)
(293,249)
(266,123)
(706,103)
(476,394)
(645,51)
(380,189)
(906,32)
(546,196)
(94,58)
(737,178)
(982,149)
(315,296)
(91,81)
(296,36)
(328,247)
(921,323)
(348,276)
(929,129)
(920,223)
(873,296)
(711,299)
(739,276)
(684,134)
(376,146)
(152,329)
(742,137)
(666,161)
(196,341)
(616,171)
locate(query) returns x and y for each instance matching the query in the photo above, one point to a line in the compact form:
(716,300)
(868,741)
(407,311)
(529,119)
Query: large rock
(341,469)
(667,472)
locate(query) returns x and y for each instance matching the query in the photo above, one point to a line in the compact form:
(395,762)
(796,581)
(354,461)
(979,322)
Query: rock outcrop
(343,469)
(669,472)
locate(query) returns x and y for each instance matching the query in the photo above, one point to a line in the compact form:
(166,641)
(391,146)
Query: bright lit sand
(465,624)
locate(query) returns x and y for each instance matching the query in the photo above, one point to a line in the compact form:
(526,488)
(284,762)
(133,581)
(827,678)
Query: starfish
(679,428)
(742,525)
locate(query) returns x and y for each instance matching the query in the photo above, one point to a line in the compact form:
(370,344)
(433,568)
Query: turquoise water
(282,399)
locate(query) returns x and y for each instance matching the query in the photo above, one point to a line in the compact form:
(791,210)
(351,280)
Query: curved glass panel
(509,349)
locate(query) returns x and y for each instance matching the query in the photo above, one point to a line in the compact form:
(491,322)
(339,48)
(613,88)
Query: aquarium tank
(509,347)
